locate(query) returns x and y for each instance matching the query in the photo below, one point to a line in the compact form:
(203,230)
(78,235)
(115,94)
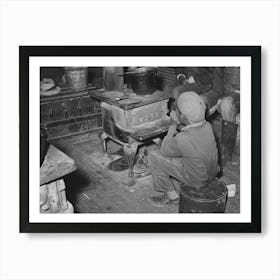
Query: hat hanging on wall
(48,87)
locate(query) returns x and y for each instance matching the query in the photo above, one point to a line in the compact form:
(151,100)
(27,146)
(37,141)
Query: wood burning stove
(132,120)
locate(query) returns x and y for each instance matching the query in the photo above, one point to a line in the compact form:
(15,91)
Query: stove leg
(103,138)
(130,151)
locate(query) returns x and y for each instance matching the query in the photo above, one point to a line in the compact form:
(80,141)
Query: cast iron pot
(142,80)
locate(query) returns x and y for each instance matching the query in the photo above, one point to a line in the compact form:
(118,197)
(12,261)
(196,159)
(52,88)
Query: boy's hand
(172,130)
(174,118)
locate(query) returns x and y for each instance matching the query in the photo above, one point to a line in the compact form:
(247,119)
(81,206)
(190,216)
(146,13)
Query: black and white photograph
(162,136)
(140,139)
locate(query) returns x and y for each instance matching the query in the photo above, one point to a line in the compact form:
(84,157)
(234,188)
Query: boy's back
(199,153)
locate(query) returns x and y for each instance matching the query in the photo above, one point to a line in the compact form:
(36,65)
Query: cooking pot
(142,80)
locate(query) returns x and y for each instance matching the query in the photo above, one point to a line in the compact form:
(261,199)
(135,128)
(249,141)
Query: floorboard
(93,188)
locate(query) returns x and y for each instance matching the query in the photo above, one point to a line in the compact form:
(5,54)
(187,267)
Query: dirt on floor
(94,188)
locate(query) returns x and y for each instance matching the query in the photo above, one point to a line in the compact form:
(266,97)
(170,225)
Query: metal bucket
(209,199)
(76,77)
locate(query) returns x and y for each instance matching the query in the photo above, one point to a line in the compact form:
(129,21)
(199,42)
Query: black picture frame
(25,52)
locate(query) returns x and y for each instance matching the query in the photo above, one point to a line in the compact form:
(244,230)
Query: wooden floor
(93,188)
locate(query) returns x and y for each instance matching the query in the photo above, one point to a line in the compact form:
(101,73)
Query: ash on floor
(93,188)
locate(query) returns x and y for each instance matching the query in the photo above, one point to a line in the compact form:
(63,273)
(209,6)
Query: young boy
(190,155)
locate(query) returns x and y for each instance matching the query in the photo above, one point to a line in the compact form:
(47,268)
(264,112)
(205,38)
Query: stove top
(128,101)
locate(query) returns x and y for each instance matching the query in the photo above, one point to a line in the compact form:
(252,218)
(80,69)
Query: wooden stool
(53,198)
(52,187)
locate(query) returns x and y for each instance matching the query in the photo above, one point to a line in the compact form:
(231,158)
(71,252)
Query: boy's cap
(192,106)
